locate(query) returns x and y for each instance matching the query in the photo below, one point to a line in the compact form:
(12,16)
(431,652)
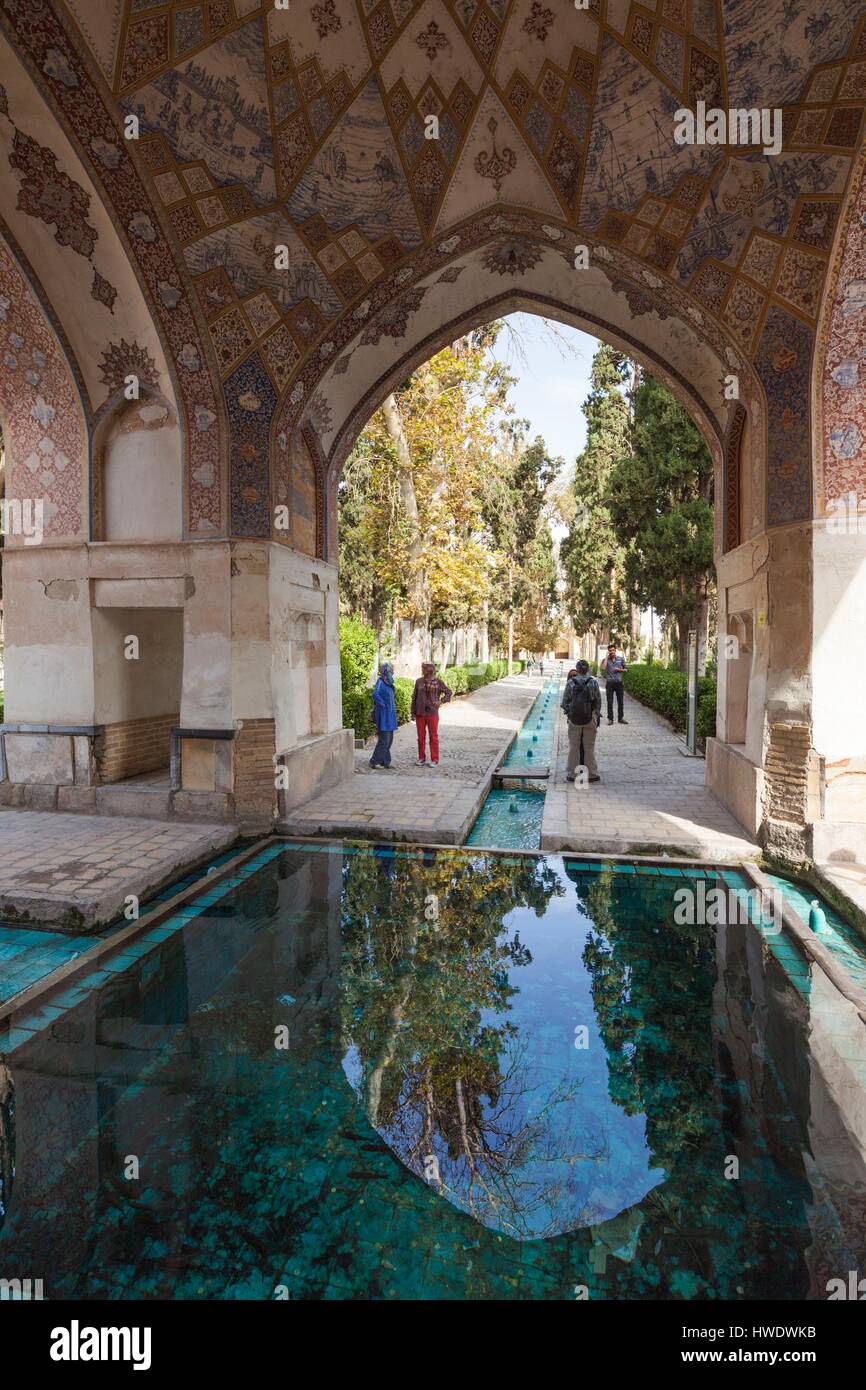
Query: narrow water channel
(510,817)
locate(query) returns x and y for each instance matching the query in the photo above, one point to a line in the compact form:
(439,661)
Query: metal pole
(692,735)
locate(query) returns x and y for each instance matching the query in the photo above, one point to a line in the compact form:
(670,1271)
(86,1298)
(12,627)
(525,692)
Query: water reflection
(447,986)
(7,1138)
(486,1066)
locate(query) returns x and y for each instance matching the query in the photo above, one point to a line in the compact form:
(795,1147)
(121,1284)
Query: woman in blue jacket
(384,715)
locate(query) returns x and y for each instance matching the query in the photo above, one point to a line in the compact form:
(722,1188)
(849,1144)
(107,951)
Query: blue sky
(552,381)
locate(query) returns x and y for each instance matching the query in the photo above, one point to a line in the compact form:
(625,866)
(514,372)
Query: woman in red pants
(429,693)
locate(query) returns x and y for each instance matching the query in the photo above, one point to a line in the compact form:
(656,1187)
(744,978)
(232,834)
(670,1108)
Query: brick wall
(133,746)
(255,792)
(786,772)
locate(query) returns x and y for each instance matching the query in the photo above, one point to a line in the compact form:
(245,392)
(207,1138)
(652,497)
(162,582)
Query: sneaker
(375,766)
(422,762)
(434,765)
(610,721)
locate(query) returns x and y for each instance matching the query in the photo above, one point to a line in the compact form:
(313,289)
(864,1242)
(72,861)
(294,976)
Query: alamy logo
(737,126)
(723,906)
(77,1343)
(854,1289)
(22,518)
(21,1290)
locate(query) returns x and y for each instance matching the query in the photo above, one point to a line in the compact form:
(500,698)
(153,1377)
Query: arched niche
(137,480)
(98,247)
(735,484)
(299,494)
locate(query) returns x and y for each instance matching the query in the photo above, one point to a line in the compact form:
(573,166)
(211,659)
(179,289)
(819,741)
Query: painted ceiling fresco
(305,127)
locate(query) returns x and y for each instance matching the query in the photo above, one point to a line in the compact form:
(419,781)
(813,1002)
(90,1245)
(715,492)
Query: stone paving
(849,880)
(650,797)
(420,803)
(75,871)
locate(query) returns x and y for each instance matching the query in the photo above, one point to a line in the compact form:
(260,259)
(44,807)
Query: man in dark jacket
(581,703)
(613,668)
(430,692)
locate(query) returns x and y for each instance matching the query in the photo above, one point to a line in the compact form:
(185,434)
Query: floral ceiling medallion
(513,256)
(493,165)
(431,40)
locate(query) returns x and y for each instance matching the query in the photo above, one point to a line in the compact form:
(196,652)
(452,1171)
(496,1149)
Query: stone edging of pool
(108,946)
(35,995)
(300,827)
(814,950)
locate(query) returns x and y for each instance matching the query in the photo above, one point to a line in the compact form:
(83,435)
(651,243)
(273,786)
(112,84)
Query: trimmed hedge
(358,646)
(666,692)
(403,688)
(358,706)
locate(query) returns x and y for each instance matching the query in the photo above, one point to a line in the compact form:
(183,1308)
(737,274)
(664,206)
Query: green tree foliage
(592,554)
(526,576)
(415,497)
(661,504)
(367,508)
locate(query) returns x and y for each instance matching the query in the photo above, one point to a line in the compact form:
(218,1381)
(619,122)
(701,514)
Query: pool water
(394,1073)
(28,954)
(841,938)
(509,820)
(533,747)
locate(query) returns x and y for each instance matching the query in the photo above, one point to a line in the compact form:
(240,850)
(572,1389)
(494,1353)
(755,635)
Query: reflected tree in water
(653,1008)
(428,975)
(652,988)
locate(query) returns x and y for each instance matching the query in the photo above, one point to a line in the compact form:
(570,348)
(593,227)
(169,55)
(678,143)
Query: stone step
(151,803)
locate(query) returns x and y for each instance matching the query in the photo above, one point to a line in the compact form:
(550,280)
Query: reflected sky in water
(352,1073)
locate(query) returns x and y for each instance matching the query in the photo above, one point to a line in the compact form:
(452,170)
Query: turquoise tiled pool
(839,936)
(27,954)
(509,820)
(388,1072)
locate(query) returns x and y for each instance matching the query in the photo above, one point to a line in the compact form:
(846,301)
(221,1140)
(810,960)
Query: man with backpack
(581,704)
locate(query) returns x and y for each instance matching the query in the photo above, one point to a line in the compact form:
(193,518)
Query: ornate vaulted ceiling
(304,128)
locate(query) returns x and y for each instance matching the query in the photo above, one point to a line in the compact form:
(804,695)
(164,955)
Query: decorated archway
(261,216)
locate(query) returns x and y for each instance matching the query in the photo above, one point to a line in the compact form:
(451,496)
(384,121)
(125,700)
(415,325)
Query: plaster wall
(304,647)
(48,655)
(839,668)
(143,480)
(250,632)
(137,688)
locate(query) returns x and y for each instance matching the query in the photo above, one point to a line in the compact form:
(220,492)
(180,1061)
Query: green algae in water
(433,1000)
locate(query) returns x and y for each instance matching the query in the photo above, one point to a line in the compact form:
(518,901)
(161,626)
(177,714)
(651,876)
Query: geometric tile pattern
(843,368)
(554,114)
(45,434)
(309,126)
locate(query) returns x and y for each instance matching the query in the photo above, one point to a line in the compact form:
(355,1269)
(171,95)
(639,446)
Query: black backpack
(579,709)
